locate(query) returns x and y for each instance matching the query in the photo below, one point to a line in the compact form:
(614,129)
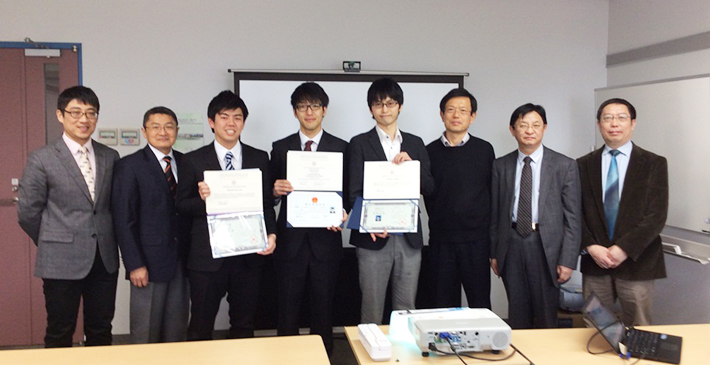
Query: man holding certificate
(240,214)
(383,255)
(307,173)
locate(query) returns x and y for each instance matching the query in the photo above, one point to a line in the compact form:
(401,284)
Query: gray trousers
(398,261)
(159,311)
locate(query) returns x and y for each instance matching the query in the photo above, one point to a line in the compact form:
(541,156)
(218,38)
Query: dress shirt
(76,152)
(535,165)
(236,151)
(159,155)
(391,146)
(315,139)
(622,164)
(448,144)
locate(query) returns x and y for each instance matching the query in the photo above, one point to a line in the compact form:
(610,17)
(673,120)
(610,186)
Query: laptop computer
(628,341)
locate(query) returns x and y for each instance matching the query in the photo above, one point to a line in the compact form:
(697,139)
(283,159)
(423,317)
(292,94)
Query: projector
(473,330)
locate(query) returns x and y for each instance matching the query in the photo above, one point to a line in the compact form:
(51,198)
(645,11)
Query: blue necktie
(228,160)
(611,194)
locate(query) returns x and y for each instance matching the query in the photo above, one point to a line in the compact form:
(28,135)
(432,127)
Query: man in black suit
(306,256)
(381,256)
(237,276)
(150,234)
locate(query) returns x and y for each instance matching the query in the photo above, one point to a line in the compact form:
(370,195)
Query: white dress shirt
(236,151)
(391,146)
(159,155)
(315,139)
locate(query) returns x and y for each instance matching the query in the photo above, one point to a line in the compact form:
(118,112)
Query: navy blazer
(367,147)
(148,230)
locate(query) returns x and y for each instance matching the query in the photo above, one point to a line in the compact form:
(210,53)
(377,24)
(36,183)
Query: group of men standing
(527,216)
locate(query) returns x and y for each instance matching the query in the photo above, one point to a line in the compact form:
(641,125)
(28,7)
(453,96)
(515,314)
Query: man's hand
(563,274)
(270,247)
(401,157)
(494,266)
(339,228)
(601,256)
(617,255)
(139,277)
(282,187)
(380,235)
(203,189)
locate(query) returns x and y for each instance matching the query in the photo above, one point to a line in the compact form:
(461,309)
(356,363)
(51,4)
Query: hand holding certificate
(391,197)
(317,180)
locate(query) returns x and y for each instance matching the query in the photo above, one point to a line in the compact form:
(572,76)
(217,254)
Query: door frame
(51,45)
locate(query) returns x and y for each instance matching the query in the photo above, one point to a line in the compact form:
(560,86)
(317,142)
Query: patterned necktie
(85,167)
(228,161)
(611,194)
(308,145)
(169,176)
(524,216)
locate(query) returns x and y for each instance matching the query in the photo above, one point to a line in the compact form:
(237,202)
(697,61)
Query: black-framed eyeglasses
(390,104)
(313,107)
(77,114)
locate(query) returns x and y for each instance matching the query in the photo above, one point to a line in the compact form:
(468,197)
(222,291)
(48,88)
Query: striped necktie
(523,222)
(308,145)
(611,194)
(169,176)
(228,161)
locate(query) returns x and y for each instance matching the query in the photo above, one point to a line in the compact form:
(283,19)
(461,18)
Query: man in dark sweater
(459,210)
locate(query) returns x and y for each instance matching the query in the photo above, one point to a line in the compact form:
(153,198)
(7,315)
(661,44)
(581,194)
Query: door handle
(9,202)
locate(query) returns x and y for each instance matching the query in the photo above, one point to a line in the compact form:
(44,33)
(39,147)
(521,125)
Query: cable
(521,354)
(590,341)
(432,348)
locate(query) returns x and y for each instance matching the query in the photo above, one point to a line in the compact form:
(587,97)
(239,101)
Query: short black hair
(383,88)
(226,100)
(79,93)
(309,91)
(455,93)
(522,110)
(159,110)
(631,108)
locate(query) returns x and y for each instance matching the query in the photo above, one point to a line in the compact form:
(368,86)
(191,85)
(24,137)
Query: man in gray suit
(65,196)
(536,222)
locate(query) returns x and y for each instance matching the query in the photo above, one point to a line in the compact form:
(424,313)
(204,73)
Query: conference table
(292,350)
(559,346)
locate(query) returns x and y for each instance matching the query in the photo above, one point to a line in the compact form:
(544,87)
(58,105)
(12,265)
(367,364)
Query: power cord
(432,348)
(627,356)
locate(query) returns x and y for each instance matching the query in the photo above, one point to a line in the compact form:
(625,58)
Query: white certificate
(314,209)
(237,233)
(386,180)
(234,191)
(315,171)
(395,216)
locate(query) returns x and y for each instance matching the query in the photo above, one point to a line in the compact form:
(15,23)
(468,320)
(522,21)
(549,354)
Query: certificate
(315,171)
(234,191)
(386,180)
(395,216)
(314,209)
(234,234)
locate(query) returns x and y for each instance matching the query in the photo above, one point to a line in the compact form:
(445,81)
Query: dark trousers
(239,278)
(62,297)
(532,296)
(320,277)
(461,263)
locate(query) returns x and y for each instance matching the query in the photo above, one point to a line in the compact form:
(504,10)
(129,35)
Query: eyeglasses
(462,111)
(77,114)
(157,128)
(313,107)
(390,104)
(621,118)
(525,126)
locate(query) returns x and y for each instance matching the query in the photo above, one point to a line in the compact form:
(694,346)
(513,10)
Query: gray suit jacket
(56,211)
(559,209)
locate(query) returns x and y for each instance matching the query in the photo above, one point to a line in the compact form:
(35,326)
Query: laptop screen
(605,321)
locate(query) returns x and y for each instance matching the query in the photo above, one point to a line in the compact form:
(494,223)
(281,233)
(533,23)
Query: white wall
(138,54)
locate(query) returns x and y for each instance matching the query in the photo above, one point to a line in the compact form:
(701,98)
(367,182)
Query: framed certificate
(395,216)
(314,209)
(233,234)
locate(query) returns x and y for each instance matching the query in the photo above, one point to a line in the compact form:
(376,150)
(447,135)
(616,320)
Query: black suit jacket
(145,219)
(189,203)
(642,215)
(367,147)
(325,244)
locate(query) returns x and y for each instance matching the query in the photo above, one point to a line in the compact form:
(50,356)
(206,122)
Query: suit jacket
(325,244)
(559,209)
(148,229)
(189,203)
(367,147)
(56,211)
(643,209)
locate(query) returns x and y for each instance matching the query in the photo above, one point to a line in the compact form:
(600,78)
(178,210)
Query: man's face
(228,125)
(310,116)
(385,111)
(616,125)
(528,131)
(78,129)
(457,115)
(161,131)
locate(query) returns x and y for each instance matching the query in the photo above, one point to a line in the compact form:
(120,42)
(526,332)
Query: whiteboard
(673,120)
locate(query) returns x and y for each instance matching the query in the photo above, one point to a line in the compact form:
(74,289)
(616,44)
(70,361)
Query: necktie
(85,167)
(169,176)
(228,161)
(308,145)
(611,194)
(524,216)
